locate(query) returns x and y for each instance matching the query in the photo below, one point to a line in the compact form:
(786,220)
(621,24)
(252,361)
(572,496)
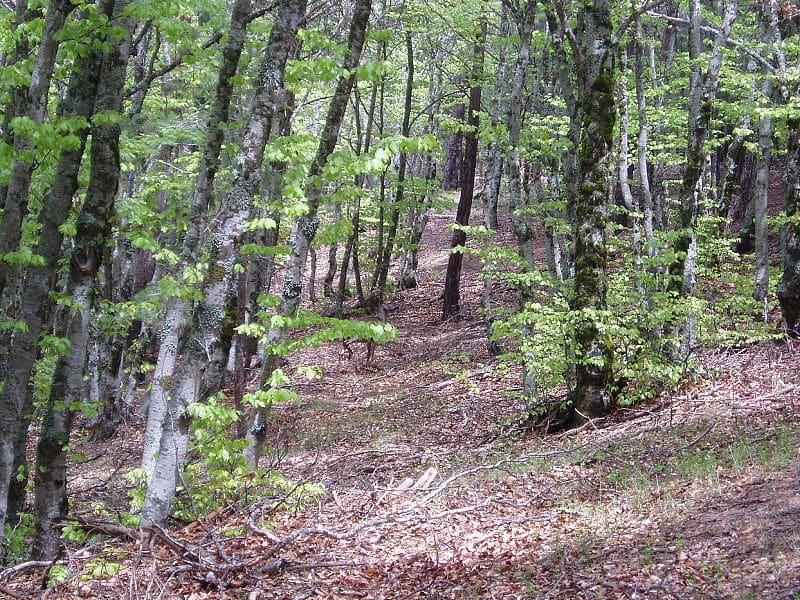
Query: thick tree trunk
(451,306)
(28,300)
(93,229)
(204,346)
(592,395)
(306,226)
(175,320)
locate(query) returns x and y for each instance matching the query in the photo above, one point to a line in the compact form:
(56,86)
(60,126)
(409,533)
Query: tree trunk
(175,319)
(789,287)
(683,270)
(761,201)
(385,259)
(452,286)
(306,226)
(592,395)
(454,160)
(203,347)
(28,300)
(93,230)
(34,102)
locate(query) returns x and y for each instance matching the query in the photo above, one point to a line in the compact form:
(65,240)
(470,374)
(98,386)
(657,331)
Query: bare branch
(728,40)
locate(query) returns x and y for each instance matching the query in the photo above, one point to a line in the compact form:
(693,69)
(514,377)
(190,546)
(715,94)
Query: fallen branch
(9,592)
(405,514)
(31,565)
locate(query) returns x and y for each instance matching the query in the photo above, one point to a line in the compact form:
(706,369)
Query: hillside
(431,490)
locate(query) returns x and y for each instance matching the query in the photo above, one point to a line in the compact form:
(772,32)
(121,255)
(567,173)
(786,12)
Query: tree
(451,305)
(93,228)
(206,328)
(305,228)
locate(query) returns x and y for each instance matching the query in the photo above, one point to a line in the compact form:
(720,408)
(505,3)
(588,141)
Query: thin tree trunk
(761,201)
(683,270)
(451,306)
(789,287)
(306,227)
(394,217)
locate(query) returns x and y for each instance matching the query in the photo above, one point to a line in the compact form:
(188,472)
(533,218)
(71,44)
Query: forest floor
(432,491)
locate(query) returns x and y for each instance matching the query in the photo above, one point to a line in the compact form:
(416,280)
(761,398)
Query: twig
(11,572)
(322,565)
(10,592)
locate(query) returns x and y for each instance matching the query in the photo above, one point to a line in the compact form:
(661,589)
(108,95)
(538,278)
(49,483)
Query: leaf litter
(432,491)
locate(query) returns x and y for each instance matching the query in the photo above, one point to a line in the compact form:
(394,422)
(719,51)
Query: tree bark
(454,160)
(305,228)
(28,301)
(202,347)
(34,102)
(592,395)
(93,230)
(451,306)
(175,319)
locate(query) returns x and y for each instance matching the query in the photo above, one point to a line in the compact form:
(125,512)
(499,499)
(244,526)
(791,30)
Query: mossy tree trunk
(93,229)
(26,299)
(592,395)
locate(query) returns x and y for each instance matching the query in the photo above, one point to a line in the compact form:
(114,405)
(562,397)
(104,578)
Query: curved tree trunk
(174,326)
(203,347)
(306,227)
(28,300)
(93,230)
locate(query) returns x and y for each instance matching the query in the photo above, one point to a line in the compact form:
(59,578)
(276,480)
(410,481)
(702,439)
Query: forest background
(621,184)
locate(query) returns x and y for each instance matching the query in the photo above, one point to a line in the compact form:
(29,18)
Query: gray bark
(305,228)
(201,347)
(177,310)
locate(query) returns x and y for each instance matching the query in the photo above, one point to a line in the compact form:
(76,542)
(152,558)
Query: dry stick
(10,592)
(405,512)
(11,572)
